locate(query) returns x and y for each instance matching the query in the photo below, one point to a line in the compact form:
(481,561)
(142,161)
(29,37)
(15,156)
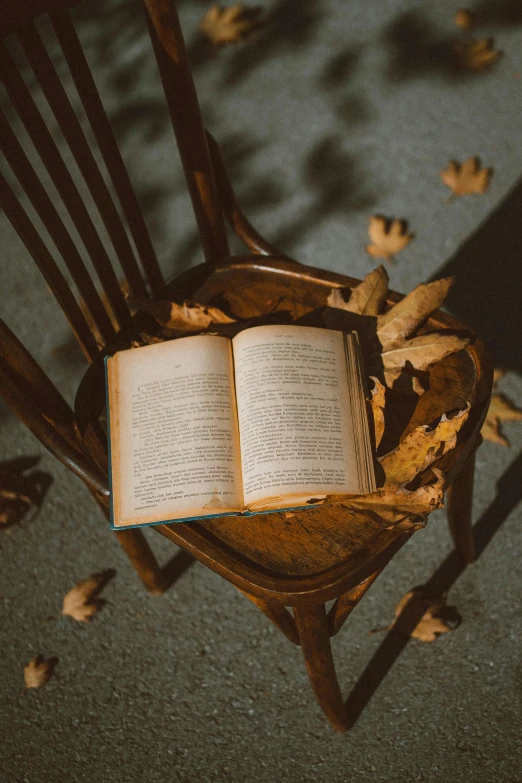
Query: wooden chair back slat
(180,93)
(63,182)
(86,88)
(44,207)
(47,266)
(72,131)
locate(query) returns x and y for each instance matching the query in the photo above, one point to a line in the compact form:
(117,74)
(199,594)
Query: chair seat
(321,548)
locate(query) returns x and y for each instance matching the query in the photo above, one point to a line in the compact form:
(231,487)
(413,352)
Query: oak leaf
(388,237)
(476,55)
(437,618)
(422,447)
(228,25)
(368,298)
(500,409)
(377,404)
(38,671)
(401,320)
(466,178)
(188,317)
(82,602)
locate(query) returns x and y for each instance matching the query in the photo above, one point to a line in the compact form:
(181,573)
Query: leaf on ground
(476,55)
(436,617)
(465,179)
(464,19)
(368,298)
(500,409)
(38,671)
(498,374)
(406,316)
(82,602)
(419,354)
(224,25)
(388,237)
(188,317)
(422,447)
(377,404)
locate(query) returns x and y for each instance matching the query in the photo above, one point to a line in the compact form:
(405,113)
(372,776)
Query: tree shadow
(22,489)
(488,272)
(508,495)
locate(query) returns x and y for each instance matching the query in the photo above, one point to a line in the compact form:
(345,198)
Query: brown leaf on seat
(476,55)
(500,409)
(406,316)
(377,404)
(388,237)
(422,447)
(224,25)
(368,298)
(466,178)
(437,618)
(38,671)
(82,602)
(419,353)
(188,317)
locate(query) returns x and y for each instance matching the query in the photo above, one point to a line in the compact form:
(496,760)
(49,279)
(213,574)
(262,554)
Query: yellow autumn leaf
(500,409)
(368,298)
(465,179)
(422,447)
(388,237)
(437,618)
(464,19)
(476,55)
(224,25)
(188,317)
(377,401)
(82,602)
(38,671)
(419,353)
(401,320)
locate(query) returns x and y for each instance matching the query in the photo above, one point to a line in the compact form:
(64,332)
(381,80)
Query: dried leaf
(464,19)
(388,237)
(188,317)
(476,55)
(500,409)
(82,603)
(419,353)
(368,298)
(377,403)
(422,447)
(498,374)
(434,619)
(466,178)
(407,315)
(38,671)
(228,25)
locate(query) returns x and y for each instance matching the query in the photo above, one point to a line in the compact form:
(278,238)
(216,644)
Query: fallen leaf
(476,55)
(388,237)
(188,317)
(228,25)
(498,374)
(38,671)
(437,618)
(82,602)
(422,447)
(466,178)
(419,353)
(464,19)
(406,316)
(377,404)
(368,298)
(500,409)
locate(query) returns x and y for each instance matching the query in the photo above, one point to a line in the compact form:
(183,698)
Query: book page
(293,406)
(173,425)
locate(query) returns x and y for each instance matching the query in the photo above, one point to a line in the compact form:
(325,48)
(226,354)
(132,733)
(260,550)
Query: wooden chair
(278,560)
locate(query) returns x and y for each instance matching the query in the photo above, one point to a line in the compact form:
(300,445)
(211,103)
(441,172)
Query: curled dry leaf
(38,671)
(422,447)
(188,317)
(377,403)
(82,602)
(388,237)
(368,298)
(419,354)
(436,617)
(466,178)
(476,55)
(228,25)
(406,316)
(500,409)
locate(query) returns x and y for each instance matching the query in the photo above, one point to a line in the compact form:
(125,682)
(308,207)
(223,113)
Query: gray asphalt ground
(335,112)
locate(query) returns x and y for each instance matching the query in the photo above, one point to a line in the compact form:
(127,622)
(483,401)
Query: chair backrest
(87,302)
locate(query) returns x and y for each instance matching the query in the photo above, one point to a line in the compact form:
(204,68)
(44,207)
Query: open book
(204,425)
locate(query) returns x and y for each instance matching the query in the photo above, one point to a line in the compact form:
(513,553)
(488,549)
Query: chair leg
(140,555)
(459,501)
(312,626)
